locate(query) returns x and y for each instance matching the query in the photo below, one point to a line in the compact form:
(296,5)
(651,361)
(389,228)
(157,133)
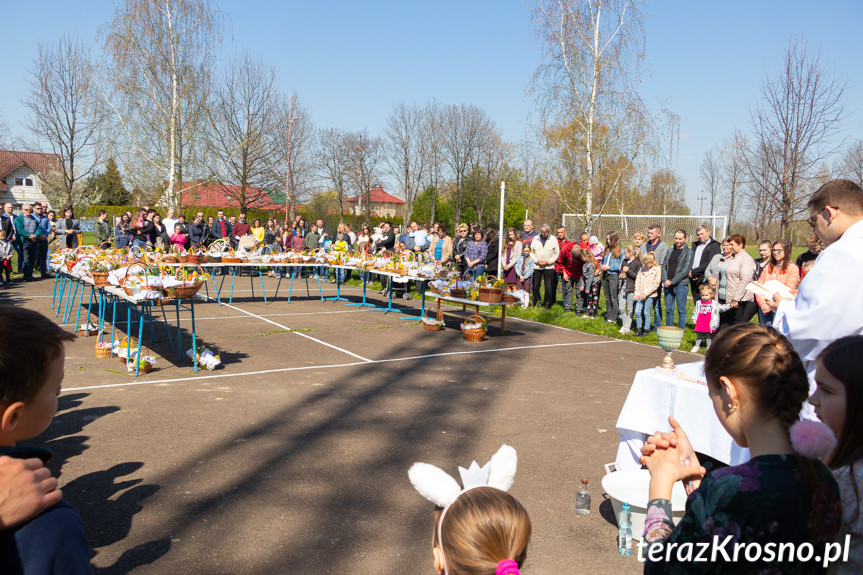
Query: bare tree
(432,134)
(484,180)
(793,130)
(5,134)
(465,127)
(157,79)
(66,115)
(586,94)
(335,161)
(734,171)
(711,175)
(292,165)
(244,100)
(851,164)
(364,154)
(405,151)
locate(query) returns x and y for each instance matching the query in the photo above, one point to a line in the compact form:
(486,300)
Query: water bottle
(624,537)
(582,499)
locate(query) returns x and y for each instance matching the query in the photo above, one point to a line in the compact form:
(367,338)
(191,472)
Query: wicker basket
(458,293)
(182,292)
(100,279)
(475,335)
(432,289)
(509,298)
(490,295)
(90,332)
(131,343)
(103,352)
(431,324)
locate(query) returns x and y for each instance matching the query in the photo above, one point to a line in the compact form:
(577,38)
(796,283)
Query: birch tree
(793,129)
(587,85)
(405,151)
(65,114)
(156,81)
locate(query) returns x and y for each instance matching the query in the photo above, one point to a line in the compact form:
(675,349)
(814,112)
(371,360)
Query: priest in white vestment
(829,303)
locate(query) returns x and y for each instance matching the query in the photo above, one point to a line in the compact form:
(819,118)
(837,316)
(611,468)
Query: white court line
(197,319)
(353,364)
(350,353)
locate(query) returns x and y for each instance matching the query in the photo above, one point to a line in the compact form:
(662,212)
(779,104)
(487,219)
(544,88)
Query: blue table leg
(233,277)
(278,285)
(291,288)
(215,287)
(140,336)
(423,304)
(129,332)
(365,275)
(69,304)
(338,288)
(149,313)
(80,305)
(194,335)
(63,282)
(389,307)
(89,305)
(179,334)
(320,291)
(113,317)
(57,277)
(263,289)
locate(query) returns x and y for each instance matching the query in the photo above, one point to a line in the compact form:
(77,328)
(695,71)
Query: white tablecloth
(654,396)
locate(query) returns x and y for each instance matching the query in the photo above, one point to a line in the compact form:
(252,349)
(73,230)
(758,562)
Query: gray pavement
(293,458)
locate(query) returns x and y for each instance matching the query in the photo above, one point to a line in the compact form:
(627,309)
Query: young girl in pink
(705,316)
(179,240)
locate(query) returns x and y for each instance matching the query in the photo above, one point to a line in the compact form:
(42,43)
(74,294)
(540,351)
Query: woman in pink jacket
(781,269)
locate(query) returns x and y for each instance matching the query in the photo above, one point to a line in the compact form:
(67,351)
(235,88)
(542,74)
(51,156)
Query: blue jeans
(475,271)
(645,305)
(766,318)
(139,243)
(678,293)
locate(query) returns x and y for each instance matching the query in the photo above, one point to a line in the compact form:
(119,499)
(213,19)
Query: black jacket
(491,258)
(197,233)
(712,249)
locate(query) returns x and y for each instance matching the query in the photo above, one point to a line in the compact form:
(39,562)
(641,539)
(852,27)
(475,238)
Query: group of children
(757,383)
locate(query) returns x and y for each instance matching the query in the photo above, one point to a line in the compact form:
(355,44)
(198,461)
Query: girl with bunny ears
(480,529)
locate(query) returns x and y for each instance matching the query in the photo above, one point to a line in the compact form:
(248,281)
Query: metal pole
(500,238)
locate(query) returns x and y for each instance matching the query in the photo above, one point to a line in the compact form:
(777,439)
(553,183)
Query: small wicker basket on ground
(88,332)
(103,351)
(476,334)
(431,323)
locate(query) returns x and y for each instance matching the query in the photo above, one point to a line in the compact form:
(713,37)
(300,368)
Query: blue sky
(350,61)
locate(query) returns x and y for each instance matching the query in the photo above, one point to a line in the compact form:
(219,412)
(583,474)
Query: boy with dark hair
(54,541)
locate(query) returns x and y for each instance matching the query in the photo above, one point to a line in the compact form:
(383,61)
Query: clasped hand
(670,458)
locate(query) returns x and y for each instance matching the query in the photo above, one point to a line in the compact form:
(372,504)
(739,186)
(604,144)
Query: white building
(20,181)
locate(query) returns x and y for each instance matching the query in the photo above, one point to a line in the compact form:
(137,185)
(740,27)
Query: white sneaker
(695,348)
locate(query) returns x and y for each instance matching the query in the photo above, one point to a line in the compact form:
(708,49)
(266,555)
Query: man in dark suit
(221,227)
(704,250)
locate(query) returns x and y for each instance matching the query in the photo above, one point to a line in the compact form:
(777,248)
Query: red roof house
(383,204)
(214,195)
(20,173)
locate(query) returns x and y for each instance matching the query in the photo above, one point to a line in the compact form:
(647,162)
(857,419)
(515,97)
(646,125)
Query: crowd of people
(798,489)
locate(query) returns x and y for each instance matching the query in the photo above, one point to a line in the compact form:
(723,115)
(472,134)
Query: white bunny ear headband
(442,489)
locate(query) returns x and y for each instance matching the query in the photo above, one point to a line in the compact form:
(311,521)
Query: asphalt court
(293,457)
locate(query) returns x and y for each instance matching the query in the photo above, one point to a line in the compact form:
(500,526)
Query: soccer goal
(627,225)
